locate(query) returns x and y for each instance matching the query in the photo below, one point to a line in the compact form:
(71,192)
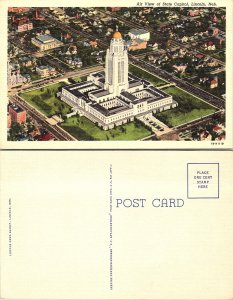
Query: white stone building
(46,42)
(115,97)
(116,74)
(141,34)
(45,71)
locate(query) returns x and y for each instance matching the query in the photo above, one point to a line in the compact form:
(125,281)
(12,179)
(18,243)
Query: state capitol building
(114,97)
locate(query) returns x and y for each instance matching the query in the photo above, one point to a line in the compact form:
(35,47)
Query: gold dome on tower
(117,34)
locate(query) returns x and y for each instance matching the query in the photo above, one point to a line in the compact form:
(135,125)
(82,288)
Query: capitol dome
(117,35)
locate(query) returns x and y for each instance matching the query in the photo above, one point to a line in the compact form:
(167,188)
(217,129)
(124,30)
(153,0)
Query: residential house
(22,24)
(93,43)
(209,46)
(214,31)
(184,39)
(193,12)
(45,71)
(26,61)
(18,9)
(214,19)
(76,62)
(219,128)
(213,63)
(136,44)
(113,9)
(213,83)
(205,135)
(152,58)
(154,46)
(219,40)
(180,68)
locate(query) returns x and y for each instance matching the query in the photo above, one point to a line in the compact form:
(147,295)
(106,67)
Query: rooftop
(98,74)
(138,31)
(134,83)
(100,108)
(75,86)
(16,108)
(128,96)
(24,58)
(132,77)
(156,92)
(107,112)
(45,38)
(100,93)
(42,67)
(102,80)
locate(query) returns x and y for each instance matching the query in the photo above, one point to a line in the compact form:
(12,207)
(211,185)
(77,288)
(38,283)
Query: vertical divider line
(110,231)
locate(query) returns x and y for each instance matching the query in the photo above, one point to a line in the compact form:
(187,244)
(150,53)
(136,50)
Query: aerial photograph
(116,74)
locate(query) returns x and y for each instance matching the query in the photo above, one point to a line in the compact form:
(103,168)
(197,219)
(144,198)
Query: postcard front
(149,75)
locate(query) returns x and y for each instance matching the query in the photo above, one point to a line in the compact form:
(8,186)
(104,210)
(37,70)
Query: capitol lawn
(189,108)
(80,78)
(156,81)
(85,130)
(44,99)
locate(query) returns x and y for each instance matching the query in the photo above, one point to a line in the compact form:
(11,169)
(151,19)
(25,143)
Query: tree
(15,130)
(28,119)
(31,128)
(36,98)
(48,92)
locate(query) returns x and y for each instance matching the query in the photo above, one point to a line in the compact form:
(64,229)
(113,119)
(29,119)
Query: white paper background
(60,227)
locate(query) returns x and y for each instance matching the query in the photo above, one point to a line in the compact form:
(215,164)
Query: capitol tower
(114,97)
(116,66)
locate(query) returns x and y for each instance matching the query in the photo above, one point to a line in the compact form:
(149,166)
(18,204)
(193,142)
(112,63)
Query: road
(188,126)
(194,123)
(56,131)
(188,87)
(46,81)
